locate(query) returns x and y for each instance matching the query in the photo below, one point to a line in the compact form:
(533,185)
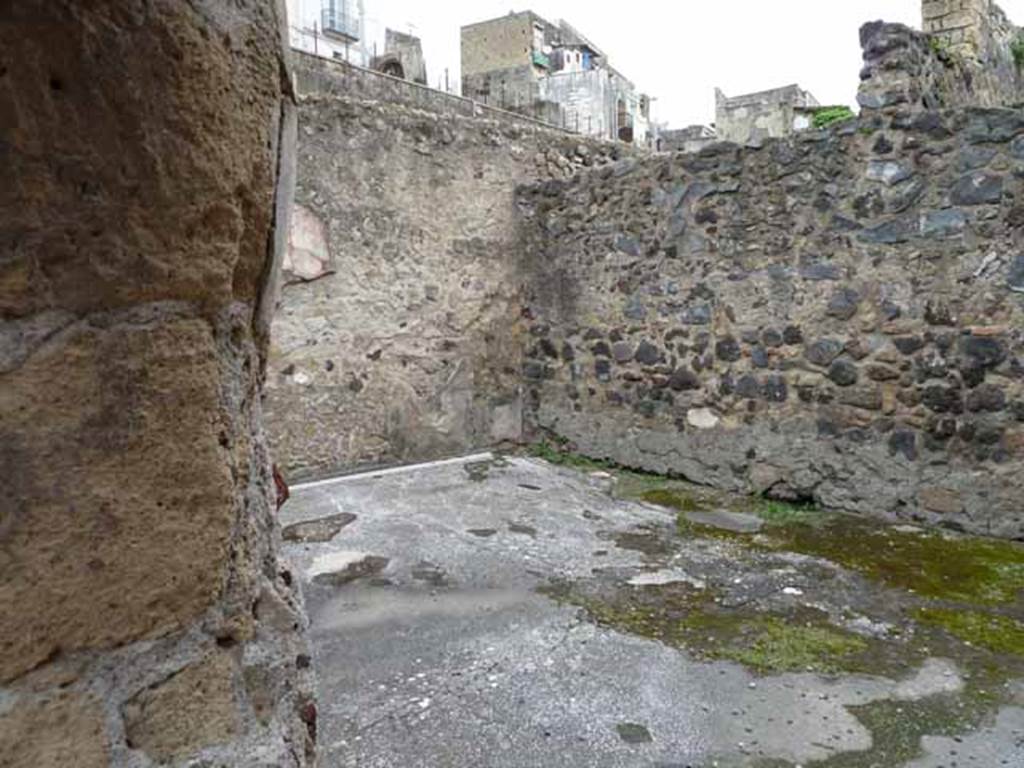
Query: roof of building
(783,94)
(507,16)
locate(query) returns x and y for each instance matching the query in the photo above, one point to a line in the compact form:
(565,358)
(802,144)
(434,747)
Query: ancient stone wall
(397,336)
(964,57)
(836,316)
(978,30)
(144,617)
(903,69)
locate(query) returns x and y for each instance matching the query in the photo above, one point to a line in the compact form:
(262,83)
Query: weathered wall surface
(903,70)
(980,32)
(835,316)
(143,617)
(397,336)
(964,57)
(502,43)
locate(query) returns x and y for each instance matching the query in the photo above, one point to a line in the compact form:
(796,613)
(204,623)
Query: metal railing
(411,93)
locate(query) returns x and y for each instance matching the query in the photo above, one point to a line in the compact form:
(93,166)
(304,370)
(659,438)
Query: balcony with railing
(337,22)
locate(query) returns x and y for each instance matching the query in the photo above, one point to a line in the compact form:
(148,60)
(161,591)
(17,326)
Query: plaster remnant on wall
(702,418)
(308,256)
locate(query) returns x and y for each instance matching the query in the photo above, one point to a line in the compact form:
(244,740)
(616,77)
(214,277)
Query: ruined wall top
(975,29)
(967,55)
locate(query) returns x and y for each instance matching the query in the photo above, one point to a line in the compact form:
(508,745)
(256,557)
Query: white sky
(678,51)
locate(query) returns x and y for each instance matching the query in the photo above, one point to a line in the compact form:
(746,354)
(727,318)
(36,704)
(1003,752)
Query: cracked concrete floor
(460,617)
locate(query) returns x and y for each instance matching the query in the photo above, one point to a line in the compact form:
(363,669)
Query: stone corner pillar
(143,612)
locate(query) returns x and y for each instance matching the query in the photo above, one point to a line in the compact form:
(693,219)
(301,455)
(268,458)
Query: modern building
(747,120)
(524,63)
(754,117)
(330,28)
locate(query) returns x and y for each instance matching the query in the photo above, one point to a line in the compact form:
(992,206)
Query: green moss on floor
(958,569)
(656,613)
(647,542)
(784,513)
(678,500)
(661,490)
(555,452)
(784,647)
(897,727)
(688,529)
(799,641)
(932,565)
(996,633)
(682,617)
(684,503)
(685,497)
(988,649)
(962,599)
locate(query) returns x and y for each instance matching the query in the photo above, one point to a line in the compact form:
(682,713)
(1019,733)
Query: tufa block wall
(975,29)
(143,613)
(964,57)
